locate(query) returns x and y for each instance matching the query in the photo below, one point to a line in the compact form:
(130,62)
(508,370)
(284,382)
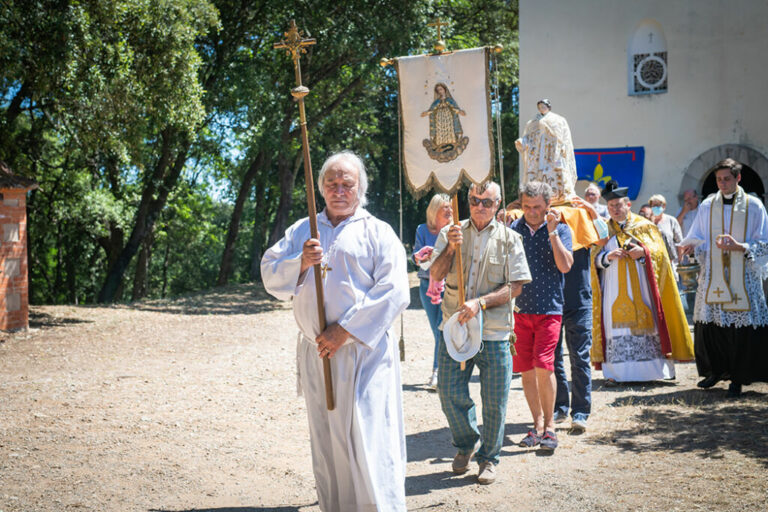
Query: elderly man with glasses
(495,269)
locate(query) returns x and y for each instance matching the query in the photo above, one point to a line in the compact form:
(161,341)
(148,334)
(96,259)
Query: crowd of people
(597,279)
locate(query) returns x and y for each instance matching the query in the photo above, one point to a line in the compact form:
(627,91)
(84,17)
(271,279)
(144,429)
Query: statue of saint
(446,138)
(547,150)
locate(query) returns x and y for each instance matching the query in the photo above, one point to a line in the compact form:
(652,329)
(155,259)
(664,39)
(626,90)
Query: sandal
(530,440)
(548,441)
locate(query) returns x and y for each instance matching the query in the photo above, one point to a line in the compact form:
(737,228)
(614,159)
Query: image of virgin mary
(446,138)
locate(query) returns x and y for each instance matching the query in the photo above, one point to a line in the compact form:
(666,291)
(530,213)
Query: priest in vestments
(358,449)
(730,236)
(639,327)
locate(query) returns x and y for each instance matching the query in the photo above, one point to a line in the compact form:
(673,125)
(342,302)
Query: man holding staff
(495,270)
(358,449)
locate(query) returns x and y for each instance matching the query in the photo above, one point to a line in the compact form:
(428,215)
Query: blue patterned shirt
(544,294)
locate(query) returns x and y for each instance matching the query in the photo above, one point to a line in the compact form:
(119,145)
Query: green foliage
(97,95)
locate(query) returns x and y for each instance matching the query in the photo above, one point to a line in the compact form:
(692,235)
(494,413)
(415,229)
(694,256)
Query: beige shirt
(484,254)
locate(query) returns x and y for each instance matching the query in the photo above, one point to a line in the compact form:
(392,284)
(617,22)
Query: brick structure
(14,298)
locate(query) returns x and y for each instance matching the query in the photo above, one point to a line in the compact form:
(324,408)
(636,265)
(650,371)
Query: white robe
(629,357)
(755,268)
(358,449)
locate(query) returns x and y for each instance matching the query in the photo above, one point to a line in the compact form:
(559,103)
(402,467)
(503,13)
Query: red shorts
(537,337)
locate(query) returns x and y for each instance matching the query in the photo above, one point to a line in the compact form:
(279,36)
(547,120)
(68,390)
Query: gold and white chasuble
(639,327)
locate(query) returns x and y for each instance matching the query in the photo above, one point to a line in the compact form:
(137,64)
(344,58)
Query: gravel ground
(190,405)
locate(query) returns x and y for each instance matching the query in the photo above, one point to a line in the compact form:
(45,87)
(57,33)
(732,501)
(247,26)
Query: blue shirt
(578,285)
(424,238)
(544,294)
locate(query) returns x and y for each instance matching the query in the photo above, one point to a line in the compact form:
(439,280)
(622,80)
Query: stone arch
(701,166)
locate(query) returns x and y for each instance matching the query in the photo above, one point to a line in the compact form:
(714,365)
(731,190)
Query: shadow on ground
(415,298)
(239,509)
(40,320)
(436,447)
(701,422)
(244,299)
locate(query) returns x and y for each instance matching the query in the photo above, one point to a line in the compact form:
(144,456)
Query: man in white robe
(730,236)
(358,449)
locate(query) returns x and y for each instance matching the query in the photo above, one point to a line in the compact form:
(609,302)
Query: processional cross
(438,24)
(294,45)
(440,44)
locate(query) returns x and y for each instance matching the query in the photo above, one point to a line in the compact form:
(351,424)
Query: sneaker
(432,382)
(530,440)
(548,441)
(461,461)
(578,425)
(487,474)
(560,416)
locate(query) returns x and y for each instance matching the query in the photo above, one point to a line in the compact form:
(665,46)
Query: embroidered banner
(625,165)
(446,119)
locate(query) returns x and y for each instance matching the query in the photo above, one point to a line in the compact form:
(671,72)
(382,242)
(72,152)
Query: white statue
(547,151)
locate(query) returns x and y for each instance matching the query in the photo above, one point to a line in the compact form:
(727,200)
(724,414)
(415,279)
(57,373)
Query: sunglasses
(487,203)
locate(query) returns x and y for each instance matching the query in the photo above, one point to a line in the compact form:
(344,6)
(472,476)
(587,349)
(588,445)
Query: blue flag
(625,165)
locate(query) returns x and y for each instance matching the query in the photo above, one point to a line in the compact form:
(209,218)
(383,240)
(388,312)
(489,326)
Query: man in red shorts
(538,318)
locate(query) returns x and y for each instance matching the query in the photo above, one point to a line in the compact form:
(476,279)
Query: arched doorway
(754,174)
(750,182)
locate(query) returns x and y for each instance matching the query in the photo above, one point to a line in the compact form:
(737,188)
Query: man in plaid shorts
(540,308)
(495,270)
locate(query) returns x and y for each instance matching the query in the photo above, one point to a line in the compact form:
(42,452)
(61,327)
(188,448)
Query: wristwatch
(554,233)
(482,303)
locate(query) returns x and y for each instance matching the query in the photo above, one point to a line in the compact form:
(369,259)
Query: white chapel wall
(575,54)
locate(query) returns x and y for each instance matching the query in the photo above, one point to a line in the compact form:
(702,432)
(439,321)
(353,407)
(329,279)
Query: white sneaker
(432,382)
(487,474)
(578,426)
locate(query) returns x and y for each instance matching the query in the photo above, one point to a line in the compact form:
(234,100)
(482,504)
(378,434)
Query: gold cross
(438,24)
(736,297)
(294,43)
(718,292)
(324,269)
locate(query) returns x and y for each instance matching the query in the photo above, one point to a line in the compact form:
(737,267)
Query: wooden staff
(459,265)
(294,46)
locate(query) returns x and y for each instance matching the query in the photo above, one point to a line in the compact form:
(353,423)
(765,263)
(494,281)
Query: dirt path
(190,406)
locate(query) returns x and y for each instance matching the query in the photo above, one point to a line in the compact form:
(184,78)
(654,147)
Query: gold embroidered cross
(718,292)
(324,268)
(736,297)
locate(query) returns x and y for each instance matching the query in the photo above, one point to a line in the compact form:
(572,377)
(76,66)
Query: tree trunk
(234,221)
(160,183)
(287,181)
(166,263)
(259,230)
(140,277)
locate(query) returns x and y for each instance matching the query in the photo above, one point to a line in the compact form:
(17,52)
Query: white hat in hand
(463,341)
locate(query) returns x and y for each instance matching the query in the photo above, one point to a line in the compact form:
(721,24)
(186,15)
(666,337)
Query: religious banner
(445,119)
(625,165)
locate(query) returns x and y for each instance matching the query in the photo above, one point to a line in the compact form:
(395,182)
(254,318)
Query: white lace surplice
(755,269)
(629,357)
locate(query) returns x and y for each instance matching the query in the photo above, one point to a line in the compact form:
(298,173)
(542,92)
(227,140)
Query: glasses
(487,203)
